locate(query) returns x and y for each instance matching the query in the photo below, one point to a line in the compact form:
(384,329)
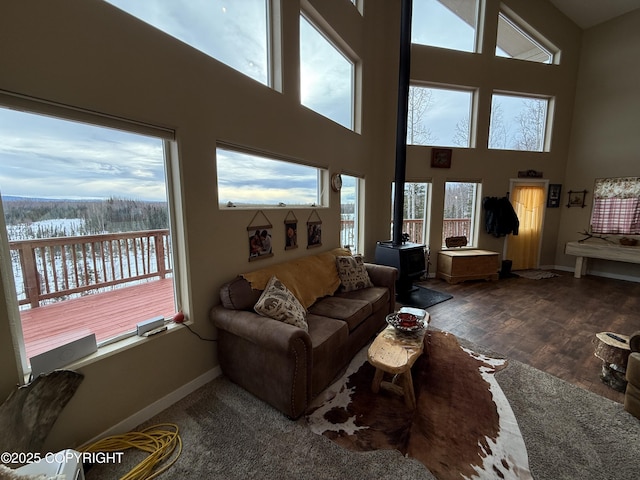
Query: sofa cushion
(378,297)
(327,335)
(279,303)
(353,273)
(351,311)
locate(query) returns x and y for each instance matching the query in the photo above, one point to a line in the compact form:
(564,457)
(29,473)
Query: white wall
(604,138)
(486,72)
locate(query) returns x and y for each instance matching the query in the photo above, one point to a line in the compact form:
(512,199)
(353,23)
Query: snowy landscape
(69,262)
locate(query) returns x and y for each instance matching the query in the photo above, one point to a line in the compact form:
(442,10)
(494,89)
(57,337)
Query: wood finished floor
(549,324)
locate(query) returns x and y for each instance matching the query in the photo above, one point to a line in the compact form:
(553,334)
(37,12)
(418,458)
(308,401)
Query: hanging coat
(500,217)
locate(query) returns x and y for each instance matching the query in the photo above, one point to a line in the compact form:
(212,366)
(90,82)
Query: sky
(47,157)
(50,158)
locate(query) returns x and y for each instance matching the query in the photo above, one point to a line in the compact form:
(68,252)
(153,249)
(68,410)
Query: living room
(89,56)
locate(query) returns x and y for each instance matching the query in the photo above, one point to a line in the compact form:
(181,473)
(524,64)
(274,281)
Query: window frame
(474,228)
(273,41)
(528,33)
(545,143)
(26,104)
(342,49)
(322,173)
(426,218)
(358,215)
(472,92)
(477,29)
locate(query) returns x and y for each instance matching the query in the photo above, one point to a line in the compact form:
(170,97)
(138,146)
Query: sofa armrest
(384,276)
(259,330)
(268,358)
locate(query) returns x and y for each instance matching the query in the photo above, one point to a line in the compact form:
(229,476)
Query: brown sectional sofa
(285,365)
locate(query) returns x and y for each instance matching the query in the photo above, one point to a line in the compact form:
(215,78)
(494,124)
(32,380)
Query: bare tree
(531,122)
(459,200)
(420,100)
(414,200)
(461,134)
(499,131)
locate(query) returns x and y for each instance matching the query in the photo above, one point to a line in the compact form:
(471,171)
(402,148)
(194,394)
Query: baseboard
(596,273)
(614,276)
(550,267)
(159,405)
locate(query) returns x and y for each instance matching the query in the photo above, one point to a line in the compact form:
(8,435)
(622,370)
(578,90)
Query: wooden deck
(105,314)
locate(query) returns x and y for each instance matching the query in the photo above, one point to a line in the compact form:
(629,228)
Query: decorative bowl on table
(628,242)
(406,322)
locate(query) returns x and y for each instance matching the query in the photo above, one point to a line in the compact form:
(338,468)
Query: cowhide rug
(462,427)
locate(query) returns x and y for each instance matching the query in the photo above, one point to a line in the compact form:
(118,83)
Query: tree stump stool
(613,349)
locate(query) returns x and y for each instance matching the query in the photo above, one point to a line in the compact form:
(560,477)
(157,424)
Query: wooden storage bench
(459,265)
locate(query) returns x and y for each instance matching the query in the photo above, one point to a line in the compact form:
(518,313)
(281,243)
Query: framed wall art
(553,197)
(259,234)
(441,157)
(577,199)
(314,230)
(290,231)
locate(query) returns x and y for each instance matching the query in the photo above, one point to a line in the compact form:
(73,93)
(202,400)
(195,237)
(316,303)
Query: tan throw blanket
(308,278)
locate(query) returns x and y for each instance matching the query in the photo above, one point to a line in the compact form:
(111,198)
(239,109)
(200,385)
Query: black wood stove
(408,258)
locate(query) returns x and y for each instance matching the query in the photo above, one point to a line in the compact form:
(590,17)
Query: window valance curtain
(616,206)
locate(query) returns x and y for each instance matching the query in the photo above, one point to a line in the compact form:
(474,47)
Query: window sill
(225,207)
(114,349)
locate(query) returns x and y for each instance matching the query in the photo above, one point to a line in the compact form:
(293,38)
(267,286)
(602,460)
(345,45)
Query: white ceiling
(588,13)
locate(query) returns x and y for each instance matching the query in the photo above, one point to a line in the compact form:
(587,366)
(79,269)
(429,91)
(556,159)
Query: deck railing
(57,268)
(454,227)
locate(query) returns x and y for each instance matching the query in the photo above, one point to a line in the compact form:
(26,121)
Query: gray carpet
(229,434)
(570,433)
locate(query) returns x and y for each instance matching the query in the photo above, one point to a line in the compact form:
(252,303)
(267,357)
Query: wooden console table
(459,265)
(605,251)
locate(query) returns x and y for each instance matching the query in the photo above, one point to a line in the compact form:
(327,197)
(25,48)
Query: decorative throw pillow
(279,303)
(353,273)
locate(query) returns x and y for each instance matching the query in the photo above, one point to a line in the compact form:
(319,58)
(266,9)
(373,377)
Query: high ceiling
(588,13)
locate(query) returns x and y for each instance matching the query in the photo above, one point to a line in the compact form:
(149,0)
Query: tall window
(445,23)
(350,214)
(518,123)
(235,33)
(327,76)
(272,182)
(514,41)
(439,116)
(88,224)
(416,211)
(461,212)
(616,206)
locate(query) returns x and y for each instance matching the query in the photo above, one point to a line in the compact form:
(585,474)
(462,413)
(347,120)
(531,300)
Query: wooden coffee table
(394,352)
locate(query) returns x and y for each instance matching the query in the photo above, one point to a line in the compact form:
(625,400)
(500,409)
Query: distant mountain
(14,198)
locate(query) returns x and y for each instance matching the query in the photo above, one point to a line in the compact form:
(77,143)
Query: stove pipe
(401,130)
